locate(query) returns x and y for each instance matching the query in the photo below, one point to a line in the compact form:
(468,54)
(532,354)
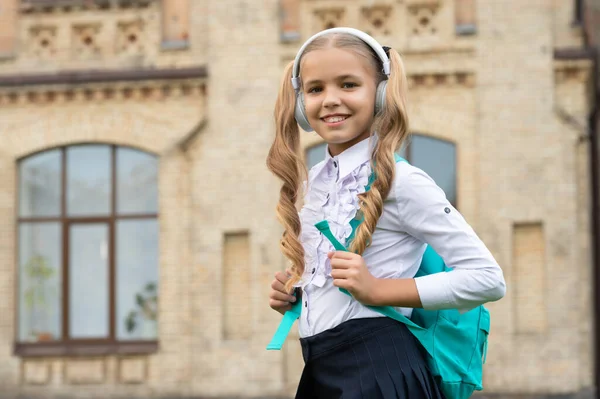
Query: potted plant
(39,272)
(145,313)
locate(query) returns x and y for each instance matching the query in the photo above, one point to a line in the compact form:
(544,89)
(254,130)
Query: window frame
(66,346)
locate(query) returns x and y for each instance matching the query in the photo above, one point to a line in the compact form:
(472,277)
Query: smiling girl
(351,92)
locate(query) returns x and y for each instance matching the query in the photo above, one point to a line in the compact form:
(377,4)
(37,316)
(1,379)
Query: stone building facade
(137,213)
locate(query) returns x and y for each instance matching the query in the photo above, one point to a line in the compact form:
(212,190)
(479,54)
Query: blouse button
(313,270)
(305,304)
(334,164)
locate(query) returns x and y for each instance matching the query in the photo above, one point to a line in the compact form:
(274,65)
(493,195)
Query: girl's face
(339,96)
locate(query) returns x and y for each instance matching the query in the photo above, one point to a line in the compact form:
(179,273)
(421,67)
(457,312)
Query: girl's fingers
(279,299)
(337,263)
(282,277)
(282,296)
(341,255)
(280,306)
(341,283)
(277,285)
(338,274)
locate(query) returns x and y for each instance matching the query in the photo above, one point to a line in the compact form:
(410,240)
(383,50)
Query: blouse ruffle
(336,202)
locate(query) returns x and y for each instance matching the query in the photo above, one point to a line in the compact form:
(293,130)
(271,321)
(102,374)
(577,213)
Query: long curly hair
(390,125)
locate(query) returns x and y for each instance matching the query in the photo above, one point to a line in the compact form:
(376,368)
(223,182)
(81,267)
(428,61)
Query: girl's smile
(335,120)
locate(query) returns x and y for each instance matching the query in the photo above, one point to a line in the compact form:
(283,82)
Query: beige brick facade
(514,111)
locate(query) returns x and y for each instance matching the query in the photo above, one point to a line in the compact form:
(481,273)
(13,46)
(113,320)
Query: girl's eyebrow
(341,77)
(348,76)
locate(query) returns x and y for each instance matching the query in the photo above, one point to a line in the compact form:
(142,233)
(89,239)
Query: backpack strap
(285,326)
(388,311)
(294,313)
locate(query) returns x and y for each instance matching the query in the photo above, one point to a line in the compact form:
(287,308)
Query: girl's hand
(279,299)
(349,271)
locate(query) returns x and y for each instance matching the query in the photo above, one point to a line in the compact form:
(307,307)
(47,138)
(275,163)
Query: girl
(352,91)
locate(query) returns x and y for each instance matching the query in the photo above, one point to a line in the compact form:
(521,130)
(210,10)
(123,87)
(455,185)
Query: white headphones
(300,112)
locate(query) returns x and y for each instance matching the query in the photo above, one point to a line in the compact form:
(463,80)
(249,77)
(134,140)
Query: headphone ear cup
(300,113)
(380,96)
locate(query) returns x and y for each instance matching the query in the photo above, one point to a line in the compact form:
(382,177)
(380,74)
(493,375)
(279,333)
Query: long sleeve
(426,214)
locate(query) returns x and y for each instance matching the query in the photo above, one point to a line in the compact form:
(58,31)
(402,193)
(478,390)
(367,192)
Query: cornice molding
(98,86)
(51,6)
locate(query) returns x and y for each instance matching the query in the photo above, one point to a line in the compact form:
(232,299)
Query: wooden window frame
(67,346)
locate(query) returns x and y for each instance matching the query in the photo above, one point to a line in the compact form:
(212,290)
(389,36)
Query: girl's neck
(337,148)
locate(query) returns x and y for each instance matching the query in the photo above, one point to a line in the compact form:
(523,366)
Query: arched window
(436,157)
(87,247)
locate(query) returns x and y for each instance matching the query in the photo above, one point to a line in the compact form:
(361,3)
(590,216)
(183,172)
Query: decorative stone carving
(130,37)
(377,20)
(422,18)
(431,80)
(42,41)
(329,18)
(85,40)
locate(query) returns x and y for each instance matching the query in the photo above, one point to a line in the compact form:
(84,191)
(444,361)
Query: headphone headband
(354,32)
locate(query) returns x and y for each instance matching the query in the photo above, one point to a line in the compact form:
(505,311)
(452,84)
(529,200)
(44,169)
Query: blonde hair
(285,161)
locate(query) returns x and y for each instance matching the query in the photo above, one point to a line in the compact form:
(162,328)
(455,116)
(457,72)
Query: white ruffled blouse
(415,212)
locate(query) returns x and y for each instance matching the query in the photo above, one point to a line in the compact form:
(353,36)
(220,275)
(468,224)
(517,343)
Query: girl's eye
(314,90)
(349,85)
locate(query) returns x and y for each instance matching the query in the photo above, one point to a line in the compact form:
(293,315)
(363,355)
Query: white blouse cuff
(434,291)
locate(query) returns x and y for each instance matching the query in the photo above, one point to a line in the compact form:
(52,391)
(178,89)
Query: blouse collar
(352,157)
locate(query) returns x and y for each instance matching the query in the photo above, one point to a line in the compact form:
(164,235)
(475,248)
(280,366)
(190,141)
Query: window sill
(175,45)
(466,29)
(57,349)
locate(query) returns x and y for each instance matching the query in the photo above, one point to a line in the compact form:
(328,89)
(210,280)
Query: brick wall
(497,94)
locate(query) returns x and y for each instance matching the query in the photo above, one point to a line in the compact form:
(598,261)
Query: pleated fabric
(373,358)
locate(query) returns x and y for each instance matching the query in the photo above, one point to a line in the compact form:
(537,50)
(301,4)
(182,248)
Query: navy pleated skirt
(374,358)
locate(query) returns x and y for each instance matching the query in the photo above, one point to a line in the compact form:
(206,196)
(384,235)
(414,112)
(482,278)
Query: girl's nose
(332,98)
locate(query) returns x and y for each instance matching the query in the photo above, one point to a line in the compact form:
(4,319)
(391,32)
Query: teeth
(334,119)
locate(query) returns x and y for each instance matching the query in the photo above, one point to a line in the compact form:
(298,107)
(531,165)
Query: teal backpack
(455,343)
